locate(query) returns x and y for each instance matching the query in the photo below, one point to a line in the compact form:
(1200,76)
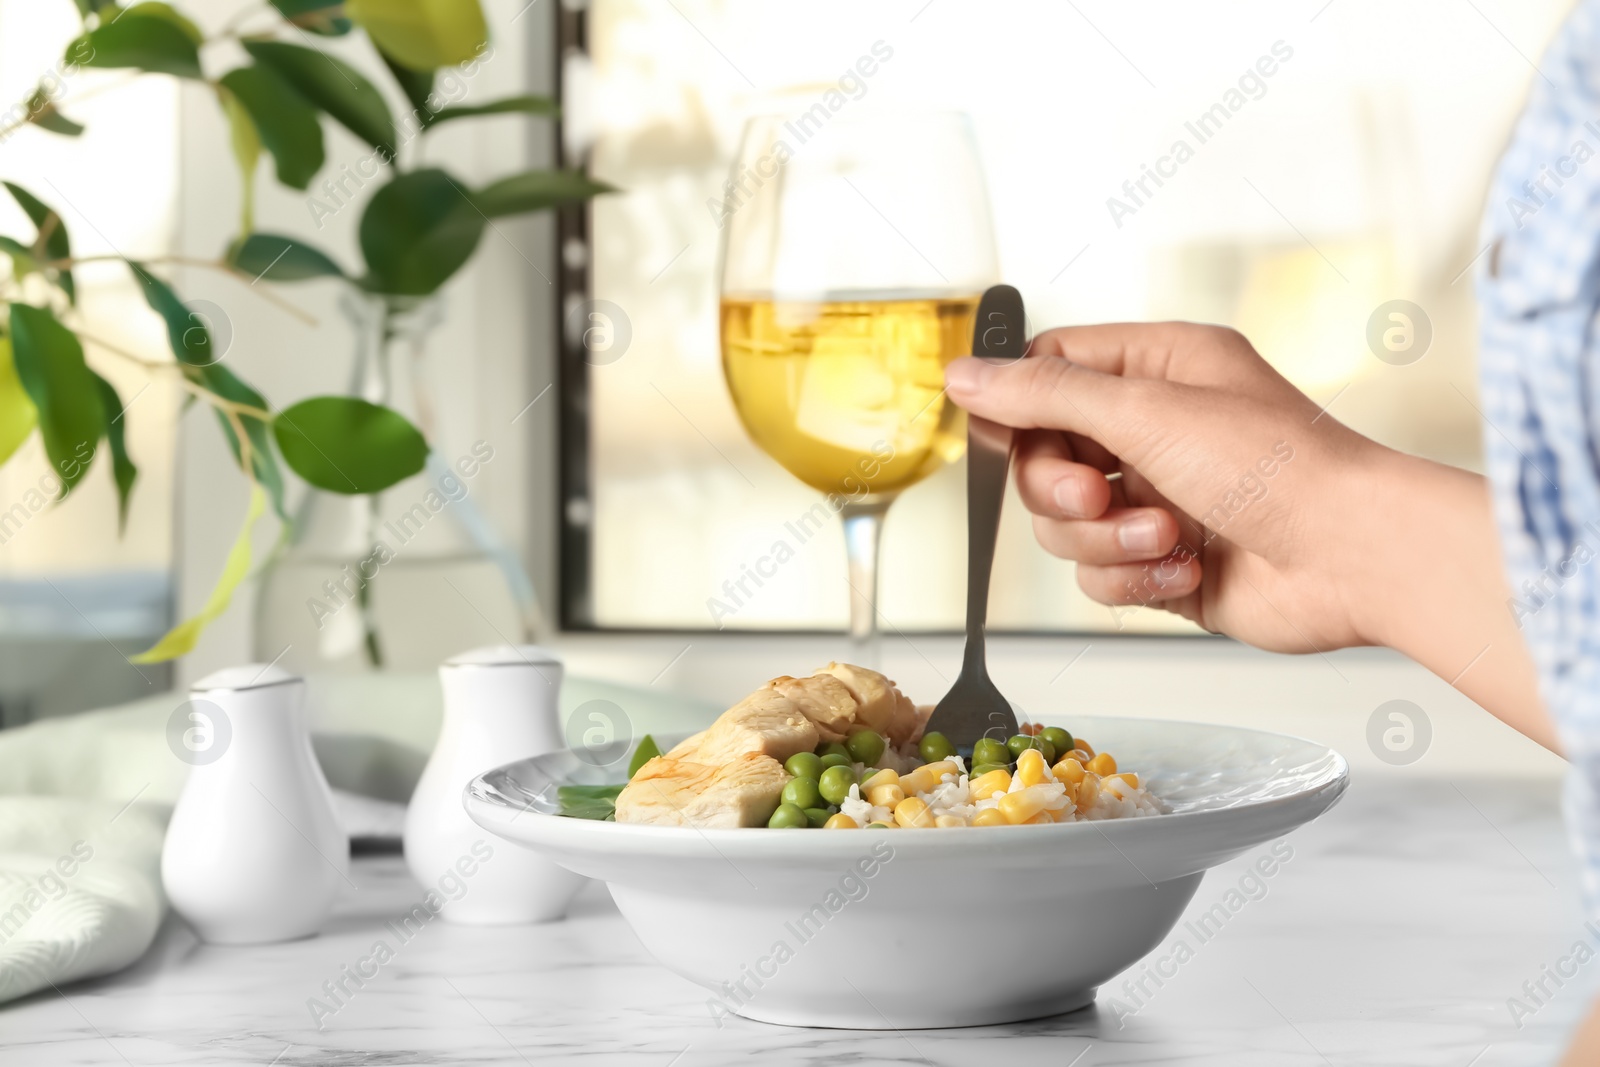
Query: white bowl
(902,929)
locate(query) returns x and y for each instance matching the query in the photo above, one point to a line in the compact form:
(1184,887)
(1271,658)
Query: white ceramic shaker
(253,852)
(500,705)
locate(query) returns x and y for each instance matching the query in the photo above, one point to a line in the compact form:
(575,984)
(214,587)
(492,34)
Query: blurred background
(1353,175)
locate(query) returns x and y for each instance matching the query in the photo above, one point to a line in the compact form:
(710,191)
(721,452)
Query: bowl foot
(869,1018)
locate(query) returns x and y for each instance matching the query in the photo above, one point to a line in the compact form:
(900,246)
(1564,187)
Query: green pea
(1020,743)
(984,768)
(935,747)
(834,759)
(788,817)
(877,826)
(802,793)
(988,750)
(817,816)
(835,784)
(1059,739)
(866,746)
(832,748)
(804,765)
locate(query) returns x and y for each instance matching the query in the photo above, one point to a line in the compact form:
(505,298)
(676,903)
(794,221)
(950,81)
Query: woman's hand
(1246,508)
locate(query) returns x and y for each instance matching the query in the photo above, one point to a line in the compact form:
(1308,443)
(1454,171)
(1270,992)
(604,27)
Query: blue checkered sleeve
(1538,287)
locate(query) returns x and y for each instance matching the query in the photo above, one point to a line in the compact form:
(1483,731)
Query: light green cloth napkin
(84,802)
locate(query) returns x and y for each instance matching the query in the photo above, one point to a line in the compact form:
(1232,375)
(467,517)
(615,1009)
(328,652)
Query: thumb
(1126,415)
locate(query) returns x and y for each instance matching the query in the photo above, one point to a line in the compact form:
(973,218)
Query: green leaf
(52,242)
(647,751)
(246,144)
(335,87)
(536,190)
(286,122)
(90,7)
(186,331)
(156,9)
(122,469)
(18,416)
(318,16)
(151,43)
(423,34)
(417,231)
(22,261)
(180,640)
(43,114)
(263,461)
(523,105)
(588,801)
(416,84)
(280,259)
(49,362)
(346,445)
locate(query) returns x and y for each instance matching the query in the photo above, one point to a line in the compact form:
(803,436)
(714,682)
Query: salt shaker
(253,852)
(500,705)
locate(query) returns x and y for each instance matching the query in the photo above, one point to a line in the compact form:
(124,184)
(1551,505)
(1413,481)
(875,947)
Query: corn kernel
(1021,806)
(1063,813)
(1030,767)
(1103,764)
(1069,771)
(886,795)
(990,784)
(841,821)
(924,778)
(1127,778)
(1088,789)
(1041,819)
(946,821)
(912,812)
(876,778)
(1085,747)
(989,817)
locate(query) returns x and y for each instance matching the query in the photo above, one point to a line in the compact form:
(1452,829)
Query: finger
(1164,582)
(1127,416)
(1122,535)
(1172,351)
(1053,483)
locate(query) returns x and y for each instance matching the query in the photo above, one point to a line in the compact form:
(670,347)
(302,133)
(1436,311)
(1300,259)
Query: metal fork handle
(988,464)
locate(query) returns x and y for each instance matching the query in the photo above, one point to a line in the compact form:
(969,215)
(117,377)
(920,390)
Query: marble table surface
(1397,934)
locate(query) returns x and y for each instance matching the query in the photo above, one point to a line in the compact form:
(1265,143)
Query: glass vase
(403,579)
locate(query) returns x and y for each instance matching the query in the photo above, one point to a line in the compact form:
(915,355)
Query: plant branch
(29,115)
(230,408)
(195,261)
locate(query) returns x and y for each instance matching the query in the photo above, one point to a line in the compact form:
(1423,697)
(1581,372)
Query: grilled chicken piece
(765,721)
(878,703)
(671,792)
(824,700)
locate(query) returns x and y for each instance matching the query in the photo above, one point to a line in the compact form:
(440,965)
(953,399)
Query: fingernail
(1069,497)
(965,376)
(1140,535)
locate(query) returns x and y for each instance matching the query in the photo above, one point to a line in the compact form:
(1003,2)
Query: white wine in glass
(854,255)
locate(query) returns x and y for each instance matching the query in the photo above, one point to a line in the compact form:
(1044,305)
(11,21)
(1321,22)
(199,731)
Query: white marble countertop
(1395,935)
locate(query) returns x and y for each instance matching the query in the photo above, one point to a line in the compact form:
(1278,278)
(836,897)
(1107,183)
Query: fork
(974,707)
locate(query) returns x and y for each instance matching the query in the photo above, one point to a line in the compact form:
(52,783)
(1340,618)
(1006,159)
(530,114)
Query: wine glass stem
(863,525)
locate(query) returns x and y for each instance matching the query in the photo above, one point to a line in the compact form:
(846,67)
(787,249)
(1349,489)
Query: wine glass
(855,248)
